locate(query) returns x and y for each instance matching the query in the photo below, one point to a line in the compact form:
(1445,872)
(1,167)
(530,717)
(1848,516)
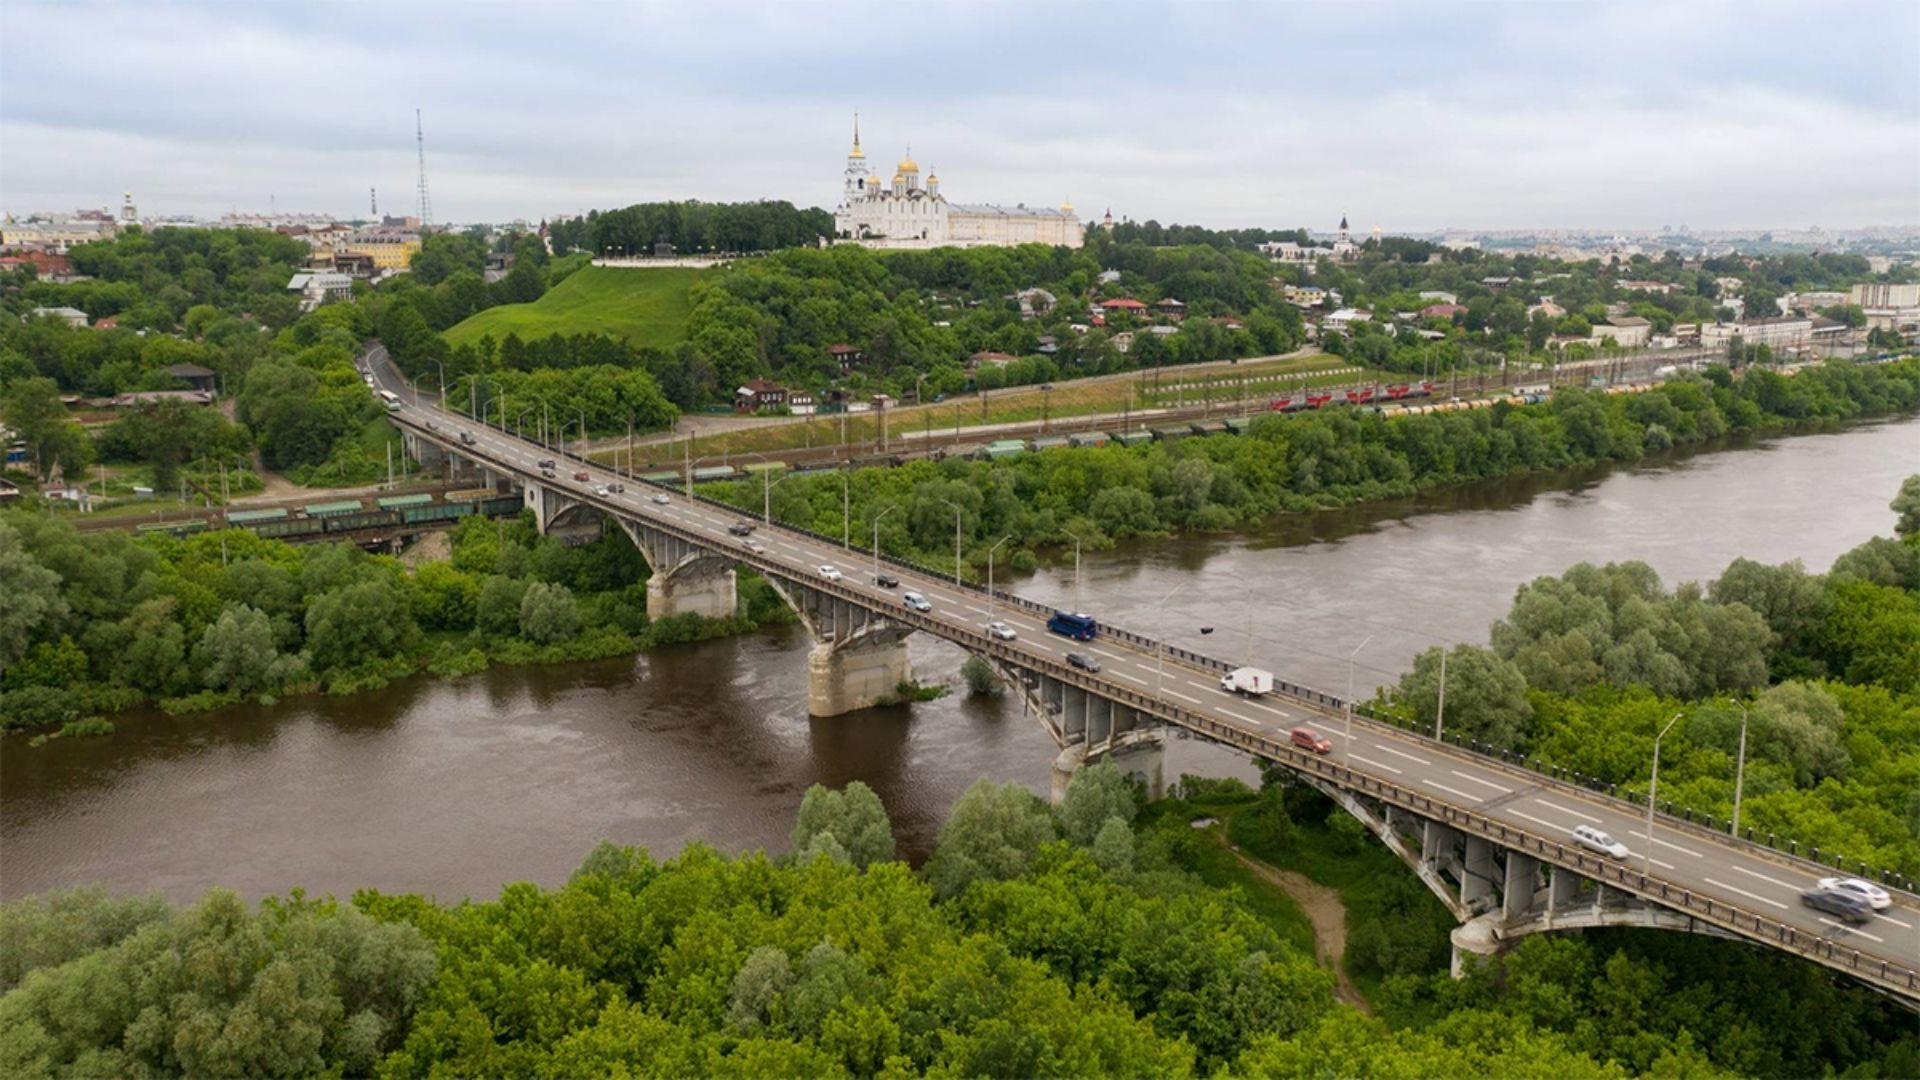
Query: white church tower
(856,165)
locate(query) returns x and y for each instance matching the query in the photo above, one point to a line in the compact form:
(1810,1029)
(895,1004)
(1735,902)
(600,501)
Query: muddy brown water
(454,787)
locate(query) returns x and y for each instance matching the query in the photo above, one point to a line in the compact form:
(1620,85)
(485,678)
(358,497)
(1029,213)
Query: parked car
(1308,739)
(1598,841)
(831,573)
(915,601)
(1083,661)
(740,528)
(1001,630)
(1850,906)
(1875,896)
(661,498)
(886,581)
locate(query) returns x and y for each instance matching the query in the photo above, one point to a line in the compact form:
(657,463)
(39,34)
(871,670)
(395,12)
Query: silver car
(1875,896)
(1600,842)
(1001,631)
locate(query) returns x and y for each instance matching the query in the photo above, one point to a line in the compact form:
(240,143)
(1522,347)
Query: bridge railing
(1681,818)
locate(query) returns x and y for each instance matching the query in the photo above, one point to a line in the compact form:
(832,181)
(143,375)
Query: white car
(662,499)
(603,490)
(1875,896)
(915,601)
(830,573)
(1597,841)
(1001,630)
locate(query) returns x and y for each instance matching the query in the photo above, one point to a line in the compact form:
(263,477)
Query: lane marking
(1477,780)
(1663,843)
(1134,678)
(1851,929)
(1462,794)
(1894,921)
(1324,730)
(1182,696)
(1765,878)
(1521,813)
(1743,892)
(1373,763)
(1242,719)
(1566,810)
(1383,748)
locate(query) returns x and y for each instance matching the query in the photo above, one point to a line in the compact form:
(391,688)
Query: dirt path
(1324,909)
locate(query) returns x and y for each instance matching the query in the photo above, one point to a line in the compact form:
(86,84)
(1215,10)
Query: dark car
(465,436)
(886,581)
(546,463)
(740,528)
(1849,906)
(1083,661)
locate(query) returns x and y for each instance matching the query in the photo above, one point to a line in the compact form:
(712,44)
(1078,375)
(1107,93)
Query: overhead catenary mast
(420,140)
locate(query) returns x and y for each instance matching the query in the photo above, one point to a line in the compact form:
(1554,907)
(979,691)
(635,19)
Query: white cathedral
(908,214)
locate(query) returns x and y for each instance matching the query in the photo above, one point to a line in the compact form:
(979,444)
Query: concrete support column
(710,595)
(1140,759)
(853,677)
(1073,712)
(1563,887)
(1476,875)
(1517,891)
(1475,937)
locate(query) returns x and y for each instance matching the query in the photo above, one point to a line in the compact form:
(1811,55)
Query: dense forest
(1823,671)
(102,621)
(1077,940)
(692,227)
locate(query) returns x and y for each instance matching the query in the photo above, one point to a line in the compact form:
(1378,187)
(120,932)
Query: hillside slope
(645,307)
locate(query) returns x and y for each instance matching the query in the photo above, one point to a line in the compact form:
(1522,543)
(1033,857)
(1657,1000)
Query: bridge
(1490,837)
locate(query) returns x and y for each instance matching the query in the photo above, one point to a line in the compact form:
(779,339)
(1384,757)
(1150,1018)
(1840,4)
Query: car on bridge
(886,581)
(1875,896)
(1308,739)
(582,476)
(741,528)
(1002,631)
(1083,661)
(831,573)
(915,601)
(1600,842)
(661,498)
(1850,906)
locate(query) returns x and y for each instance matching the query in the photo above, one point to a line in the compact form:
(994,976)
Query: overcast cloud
(1410,116)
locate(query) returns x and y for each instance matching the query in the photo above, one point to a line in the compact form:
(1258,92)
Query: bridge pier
(1141,759)
(858,675)
(1475,937)
(711,595)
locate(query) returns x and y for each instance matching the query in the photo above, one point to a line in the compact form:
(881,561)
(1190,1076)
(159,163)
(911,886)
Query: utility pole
(956,540)
(1440,712)
(1350,658)
(1653,788)
(1739,770)
(876,540)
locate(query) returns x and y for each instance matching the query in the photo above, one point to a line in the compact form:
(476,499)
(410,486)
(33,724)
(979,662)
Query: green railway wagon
(415,515)
(714,472)
(1207,427)
(1051,442)
(366,519)
(505,506)
(1090,438)
(1236,425)
(401,502)
(1133,438)
(774,467)
(661,477)
(287,528)
(470,495)
(1169,434)
(172,528)
(255,517)
(333,509)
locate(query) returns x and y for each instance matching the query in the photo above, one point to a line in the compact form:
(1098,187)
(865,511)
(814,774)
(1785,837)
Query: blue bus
(1077,627)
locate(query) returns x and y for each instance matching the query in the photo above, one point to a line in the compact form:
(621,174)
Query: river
(454,787)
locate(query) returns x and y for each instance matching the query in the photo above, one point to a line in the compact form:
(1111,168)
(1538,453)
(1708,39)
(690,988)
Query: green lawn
(644,307)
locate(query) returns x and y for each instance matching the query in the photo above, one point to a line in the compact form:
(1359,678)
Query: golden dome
(908,165)
(857,152)
(1067,207)
(898,179)
(873,181)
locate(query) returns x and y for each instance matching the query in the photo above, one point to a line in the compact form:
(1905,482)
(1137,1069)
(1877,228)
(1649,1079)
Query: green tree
(1486,696)
(32,408)
(357,623)
(1906,506)
(992,833)
(239,653)
(853,819)
(1097,793)
(1113,847)
(33,597)
(497,611)
(761,980)
(548,614)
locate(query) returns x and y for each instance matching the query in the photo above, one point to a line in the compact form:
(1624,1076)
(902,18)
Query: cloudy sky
(1411,116)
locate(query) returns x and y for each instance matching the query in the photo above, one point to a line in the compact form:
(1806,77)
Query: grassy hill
(645,307)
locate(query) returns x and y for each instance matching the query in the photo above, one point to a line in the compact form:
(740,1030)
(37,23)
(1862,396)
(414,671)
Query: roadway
(1734,873)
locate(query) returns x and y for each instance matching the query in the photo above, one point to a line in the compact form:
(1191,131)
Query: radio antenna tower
(373,202)
(420,140)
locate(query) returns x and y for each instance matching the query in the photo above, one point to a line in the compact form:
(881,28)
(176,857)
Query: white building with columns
(907,213)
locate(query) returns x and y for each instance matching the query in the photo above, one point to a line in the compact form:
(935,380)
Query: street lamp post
(1077,606)
(846,511)
(1350,659)
(1653,788)
(1160,649)
(1440,710)
(957,512)
(1739,769)
(990,551)
(876,540)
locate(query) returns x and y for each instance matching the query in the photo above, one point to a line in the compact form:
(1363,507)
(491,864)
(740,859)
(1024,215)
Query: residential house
(1286,252)
(73,317)
(1780,333)
(759,395)
(1108,277)
(1437,296)
(1170,309)
(1660,288)
(154,397)
(1547,307)
(45,264)
(845,355)
(316,287)
(1497,284)
(1305,296)
(1123,304)
(802,403)
(1035,302)
(1344,319)
(200,378)
(1629,331)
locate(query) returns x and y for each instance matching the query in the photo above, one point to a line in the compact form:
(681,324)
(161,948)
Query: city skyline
(1414,118)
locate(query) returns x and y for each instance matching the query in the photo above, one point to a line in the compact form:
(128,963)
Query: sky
(1410,116)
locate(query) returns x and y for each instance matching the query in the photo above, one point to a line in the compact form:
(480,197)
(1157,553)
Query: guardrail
(1529,767)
